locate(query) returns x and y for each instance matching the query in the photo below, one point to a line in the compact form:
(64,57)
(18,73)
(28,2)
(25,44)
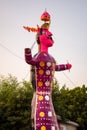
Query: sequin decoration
(47,98)
(53,64)
(41,72)
(49,113)
(43,127)
(47,83)
(48,64)
(42,64)
(40,98)
(52,128)
(42,114)
(40,83)
(52,73)
(47,72)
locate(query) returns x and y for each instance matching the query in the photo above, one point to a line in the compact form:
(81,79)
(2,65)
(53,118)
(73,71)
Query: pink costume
(45,66)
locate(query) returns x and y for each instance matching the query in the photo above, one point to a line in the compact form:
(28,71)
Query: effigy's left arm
(62,67)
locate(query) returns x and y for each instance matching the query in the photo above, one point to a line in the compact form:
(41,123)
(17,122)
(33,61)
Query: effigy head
(45,37)
(45,16)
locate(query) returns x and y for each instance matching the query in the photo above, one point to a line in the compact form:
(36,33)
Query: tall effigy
(45,67)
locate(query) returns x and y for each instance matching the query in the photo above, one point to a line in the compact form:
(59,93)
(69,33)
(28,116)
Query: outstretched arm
(63,67)
(28,57)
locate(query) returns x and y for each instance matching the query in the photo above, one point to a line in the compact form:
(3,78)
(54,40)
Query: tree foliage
(15,104)
(71,104)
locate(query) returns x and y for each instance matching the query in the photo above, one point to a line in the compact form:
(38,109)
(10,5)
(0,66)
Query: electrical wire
(10,51)
(69,79)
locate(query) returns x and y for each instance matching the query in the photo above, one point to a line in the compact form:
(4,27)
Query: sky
(69,29)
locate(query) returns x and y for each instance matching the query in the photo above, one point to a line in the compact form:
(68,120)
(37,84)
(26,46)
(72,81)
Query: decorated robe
(45,66)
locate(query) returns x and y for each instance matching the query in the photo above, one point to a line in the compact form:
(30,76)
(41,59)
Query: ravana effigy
(45,67)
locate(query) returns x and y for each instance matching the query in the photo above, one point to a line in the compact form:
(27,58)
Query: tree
(15,100)
(71,104)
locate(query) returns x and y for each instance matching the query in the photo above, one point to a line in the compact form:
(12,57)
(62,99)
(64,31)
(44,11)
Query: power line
(11,51)
(69,79)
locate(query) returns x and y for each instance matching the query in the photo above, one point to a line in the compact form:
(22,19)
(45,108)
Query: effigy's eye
(49,37)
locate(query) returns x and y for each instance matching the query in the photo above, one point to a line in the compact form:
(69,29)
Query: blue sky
(69,28)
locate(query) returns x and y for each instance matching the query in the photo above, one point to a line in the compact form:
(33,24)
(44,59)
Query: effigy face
(45,39)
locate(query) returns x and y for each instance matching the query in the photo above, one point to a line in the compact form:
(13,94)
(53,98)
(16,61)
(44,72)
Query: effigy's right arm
(28,57)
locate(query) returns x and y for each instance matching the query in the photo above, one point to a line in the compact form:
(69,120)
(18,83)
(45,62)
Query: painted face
(46,38)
